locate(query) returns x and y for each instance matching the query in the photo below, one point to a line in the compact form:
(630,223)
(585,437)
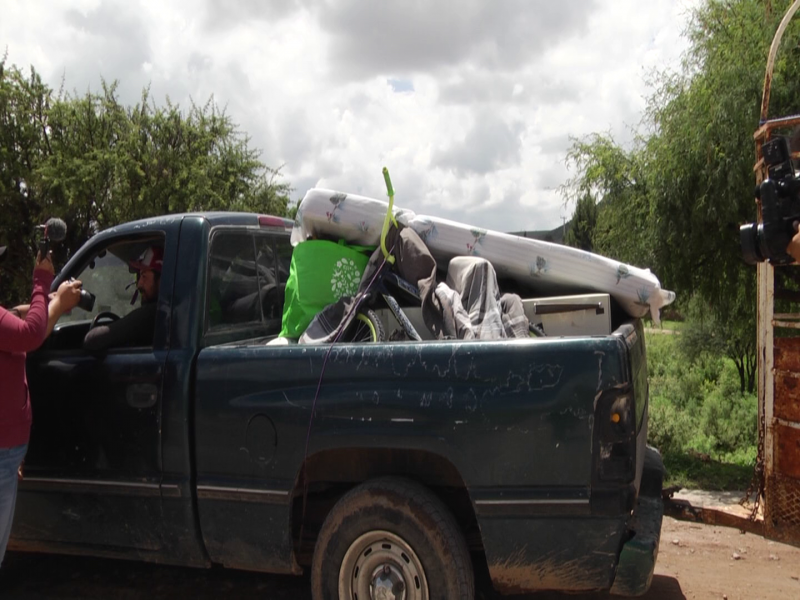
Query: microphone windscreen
(56,229)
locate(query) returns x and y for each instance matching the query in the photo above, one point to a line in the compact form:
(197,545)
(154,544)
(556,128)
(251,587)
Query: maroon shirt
(16,338)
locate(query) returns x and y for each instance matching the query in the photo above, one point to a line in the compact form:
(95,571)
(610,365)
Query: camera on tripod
(780,208)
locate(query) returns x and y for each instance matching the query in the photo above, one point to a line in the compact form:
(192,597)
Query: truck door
(93,468)
(244,506)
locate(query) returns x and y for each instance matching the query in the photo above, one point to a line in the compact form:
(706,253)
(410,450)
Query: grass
(705,427)
(693,472)
(673,325)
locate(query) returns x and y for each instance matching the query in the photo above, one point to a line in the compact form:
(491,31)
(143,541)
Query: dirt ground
(695,561)
(700,561)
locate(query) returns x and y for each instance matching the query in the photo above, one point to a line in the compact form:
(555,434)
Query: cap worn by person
(150,260)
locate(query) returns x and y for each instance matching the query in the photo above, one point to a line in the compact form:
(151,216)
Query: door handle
(141,395)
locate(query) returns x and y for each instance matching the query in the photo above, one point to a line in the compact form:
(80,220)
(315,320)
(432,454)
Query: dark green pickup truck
(390,470)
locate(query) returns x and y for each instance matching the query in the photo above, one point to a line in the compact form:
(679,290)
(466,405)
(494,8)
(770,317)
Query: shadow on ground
(54,577)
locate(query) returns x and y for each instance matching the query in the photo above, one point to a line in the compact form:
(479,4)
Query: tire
(366,327)
(397,533)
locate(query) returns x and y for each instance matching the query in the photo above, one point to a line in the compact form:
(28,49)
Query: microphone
(55,229)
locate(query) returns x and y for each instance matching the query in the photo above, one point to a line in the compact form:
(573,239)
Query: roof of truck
(214,218)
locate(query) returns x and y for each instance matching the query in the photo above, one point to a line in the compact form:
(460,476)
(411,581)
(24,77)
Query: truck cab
(108,466)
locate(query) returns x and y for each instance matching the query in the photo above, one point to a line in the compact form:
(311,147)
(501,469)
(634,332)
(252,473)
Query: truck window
(109,277)
(272,279)
(246,284)
(233,282)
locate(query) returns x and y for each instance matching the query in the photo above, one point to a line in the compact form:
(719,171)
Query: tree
(96,163)
(675,201)
(584,220)
(23,105)
(700,160)
(611,177)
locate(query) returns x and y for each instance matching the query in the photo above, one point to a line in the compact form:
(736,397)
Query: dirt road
(695,561)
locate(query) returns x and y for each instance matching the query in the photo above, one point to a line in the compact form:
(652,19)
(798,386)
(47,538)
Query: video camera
(780,208)
(86,301)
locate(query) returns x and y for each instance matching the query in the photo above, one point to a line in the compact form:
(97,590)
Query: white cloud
(469,103)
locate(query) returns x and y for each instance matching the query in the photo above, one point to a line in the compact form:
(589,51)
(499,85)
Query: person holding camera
(21,331)
(61,301)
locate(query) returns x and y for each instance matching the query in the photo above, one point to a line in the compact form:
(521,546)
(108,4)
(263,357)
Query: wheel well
(331,473)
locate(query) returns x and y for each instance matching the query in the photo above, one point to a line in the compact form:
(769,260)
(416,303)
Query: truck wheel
(391,538)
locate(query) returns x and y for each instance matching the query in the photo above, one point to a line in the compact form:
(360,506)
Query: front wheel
(391,538)
(365,327)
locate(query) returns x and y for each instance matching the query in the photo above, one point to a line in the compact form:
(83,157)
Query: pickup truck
(387,470)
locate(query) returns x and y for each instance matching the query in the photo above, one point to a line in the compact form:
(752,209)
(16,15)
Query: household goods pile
(546,268)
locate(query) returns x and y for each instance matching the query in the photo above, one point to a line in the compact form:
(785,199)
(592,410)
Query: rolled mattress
(546,267)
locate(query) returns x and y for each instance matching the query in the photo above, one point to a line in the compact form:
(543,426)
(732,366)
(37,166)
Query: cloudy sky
(469,103)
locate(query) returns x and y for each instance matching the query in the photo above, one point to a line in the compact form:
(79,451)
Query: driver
(135,328)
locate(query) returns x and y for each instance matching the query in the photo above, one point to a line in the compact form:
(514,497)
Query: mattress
(547,268)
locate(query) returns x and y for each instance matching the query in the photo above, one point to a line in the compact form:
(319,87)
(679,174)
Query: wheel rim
(380,565)
(363,329)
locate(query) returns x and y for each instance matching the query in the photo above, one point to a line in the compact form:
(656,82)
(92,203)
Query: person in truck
(22,330)
(135,328)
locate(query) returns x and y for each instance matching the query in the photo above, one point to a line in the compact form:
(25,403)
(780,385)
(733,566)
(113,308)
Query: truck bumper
(637,560)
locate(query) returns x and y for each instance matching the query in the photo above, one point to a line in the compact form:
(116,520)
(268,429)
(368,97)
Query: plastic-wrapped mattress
(545,267)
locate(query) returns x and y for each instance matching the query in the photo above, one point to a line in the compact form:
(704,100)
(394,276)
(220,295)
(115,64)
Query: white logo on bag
(345,279)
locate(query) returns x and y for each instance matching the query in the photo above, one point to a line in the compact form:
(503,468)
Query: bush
(699,415)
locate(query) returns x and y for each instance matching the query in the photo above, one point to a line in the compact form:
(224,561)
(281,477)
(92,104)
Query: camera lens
(86,301)
(751,239)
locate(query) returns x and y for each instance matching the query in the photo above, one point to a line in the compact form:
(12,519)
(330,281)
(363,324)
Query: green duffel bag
(320,273)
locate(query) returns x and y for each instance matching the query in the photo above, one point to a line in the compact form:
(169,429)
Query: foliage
(673,201)
(582,226)
(96,163)
(23,101)
(693,472)
(612,178)
(705,427)
(707,332)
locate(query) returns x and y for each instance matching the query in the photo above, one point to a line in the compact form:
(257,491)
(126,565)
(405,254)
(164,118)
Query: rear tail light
(615,437)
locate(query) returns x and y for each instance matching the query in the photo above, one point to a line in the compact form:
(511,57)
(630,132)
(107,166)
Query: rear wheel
(391,538)
(366,327)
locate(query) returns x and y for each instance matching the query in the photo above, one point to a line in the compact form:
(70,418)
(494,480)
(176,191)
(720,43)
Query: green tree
(96,163)
(612,178)
(24,102)
(680,194)
(584,220)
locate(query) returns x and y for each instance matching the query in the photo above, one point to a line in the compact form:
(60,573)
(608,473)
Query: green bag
(320,273)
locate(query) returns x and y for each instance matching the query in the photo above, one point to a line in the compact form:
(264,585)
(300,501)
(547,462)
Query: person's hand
(45,263)
(793,249)
(21,311)
(68,295)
